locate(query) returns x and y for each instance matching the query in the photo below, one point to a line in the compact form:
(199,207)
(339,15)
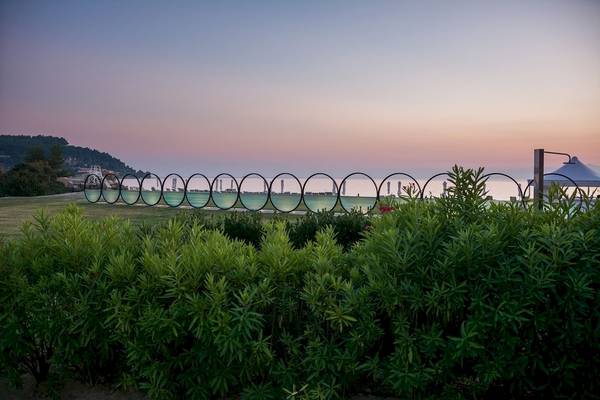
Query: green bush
(33,178)
(348,228)
(448,298)
(249,227)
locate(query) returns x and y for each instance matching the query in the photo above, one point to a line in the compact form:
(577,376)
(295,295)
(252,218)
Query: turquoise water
(110,195)
(150,197)
(198,199)
(319,202)
(224,199)
(92,195)
(173,198)
(254,201)
(362,204)
(285,202)
(130,196)
(251,201)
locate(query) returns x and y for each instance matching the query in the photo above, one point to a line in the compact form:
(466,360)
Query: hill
(14,148)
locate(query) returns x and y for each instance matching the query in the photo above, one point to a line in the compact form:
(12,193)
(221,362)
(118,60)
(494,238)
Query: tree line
(14,150)
(36,175)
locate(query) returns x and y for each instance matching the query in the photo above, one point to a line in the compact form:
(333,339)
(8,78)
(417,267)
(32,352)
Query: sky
(304,86)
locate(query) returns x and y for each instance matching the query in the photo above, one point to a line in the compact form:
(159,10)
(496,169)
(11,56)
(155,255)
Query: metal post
(538,178)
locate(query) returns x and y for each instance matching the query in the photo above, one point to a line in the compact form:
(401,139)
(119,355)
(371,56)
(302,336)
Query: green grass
(14,211)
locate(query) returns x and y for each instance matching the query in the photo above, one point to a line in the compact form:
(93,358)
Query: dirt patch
(79,391)
(72,391)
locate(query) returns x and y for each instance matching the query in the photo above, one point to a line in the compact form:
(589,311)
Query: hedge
(447,298)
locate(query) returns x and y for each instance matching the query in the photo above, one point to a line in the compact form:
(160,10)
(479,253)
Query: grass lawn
(16,210)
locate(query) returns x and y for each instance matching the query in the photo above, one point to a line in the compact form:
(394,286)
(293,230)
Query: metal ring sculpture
(340,196)
(142,189)
(579,190)
(153,197)
(398,173)
(241,197)
(429,180)
(103,194)
(271,192)
(139,191)
(187,193)
(85,188)
(337,197)
(526,191)
(485,176)
(162,190)
(212,192)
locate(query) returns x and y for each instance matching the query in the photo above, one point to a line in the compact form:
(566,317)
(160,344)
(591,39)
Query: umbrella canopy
(580,173)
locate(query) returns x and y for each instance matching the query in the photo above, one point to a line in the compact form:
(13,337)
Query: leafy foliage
(348,228)
(34,178)
(249,226)
(446,298)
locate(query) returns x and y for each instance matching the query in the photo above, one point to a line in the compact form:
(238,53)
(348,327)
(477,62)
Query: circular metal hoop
(341,197)
(85,183)
(237,197)
(103,195)
(429,180)
(271,192)
(187,194)
(337,197)
(398,173)
(139,192)
(521,195)
(162,190)
(241,198)
(142,189)
(579,190)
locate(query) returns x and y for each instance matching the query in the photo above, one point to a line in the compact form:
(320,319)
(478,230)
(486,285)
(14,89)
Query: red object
(385,209)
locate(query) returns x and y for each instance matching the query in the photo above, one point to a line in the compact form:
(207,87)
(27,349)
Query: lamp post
(538,174)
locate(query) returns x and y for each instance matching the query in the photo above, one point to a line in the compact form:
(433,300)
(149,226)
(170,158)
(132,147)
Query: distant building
(73,183)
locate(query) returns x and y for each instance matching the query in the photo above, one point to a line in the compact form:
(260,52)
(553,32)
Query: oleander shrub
(250,228)
(452,298)
(52,297)
(348,228)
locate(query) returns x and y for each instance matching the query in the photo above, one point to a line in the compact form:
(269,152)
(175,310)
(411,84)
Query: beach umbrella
(580,173)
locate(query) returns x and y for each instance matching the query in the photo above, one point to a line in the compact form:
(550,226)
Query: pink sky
(336,87)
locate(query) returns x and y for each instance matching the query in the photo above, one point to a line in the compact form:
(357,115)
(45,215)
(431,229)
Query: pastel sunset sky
(302,86)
